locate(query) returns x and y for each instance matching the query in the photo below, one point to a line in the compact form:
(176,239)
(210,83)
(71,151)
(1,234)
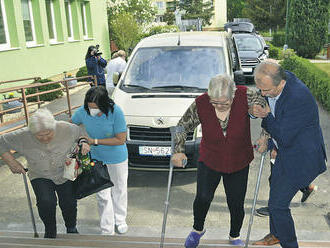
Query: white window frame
(52,15)
(85,20)
(6,45)
(34,41)
(70,38)
(160,5)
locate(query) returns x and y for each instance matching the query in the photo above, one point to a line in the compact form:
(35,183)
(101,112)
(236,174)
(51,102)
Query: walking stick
(255,199)
(30,205)
(174,130)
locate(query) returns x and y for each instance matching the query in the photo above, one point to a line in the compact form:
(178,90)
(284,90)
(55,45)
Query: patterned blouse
(190,119)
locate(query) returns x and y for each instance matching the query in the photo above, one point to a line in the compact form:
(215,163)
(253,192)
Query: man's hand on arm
(258,111)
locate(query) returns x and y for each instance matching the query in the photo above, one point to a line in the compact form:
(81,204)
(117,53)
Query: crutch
(30,205)
(174,130)
(255,199)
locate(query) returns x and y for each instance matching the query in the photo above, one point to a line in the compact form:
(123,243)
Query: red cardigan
(233,152)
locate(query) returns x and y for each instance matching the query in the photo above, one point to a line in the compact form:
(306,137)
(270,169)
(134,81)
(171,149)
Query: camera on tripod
(96,51)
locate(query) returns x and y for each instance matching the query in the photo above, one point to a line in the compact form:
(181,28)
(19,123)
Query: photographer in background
(95,64)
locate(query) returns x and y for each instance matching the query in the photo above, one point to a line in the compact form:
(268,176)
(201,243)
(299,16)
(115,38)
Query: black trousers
(235,185)
(44,190)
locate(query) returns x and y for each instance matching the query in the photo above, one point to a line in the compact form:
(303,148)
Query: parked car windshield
(248,43)
(173,69)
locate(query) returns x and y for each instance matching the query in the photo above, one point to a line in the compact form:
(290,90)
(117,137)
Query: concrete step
(24,240)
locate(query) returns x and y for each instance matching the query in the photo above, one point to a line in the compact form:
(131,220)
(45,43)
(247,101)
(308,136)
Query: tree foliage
(162,29)
(142,10)
(308,24)
(197,9)
(169,16)
(266,14)
(126,31)
(235,9)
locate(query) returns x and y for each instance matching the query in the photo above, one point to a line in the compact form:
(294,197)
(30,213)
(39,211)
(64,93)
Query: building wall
(48,58)
(220,14)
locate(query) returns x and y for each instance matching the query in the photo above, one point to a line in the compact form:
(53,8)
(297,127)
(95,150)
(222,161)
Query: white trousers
(112,202)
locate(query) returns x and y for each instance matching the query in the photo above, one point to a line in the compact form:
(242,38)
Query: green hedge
(47,97)
(278,39)
(82,72)
(277,52)
(163,29)
(317,80)
(274,52)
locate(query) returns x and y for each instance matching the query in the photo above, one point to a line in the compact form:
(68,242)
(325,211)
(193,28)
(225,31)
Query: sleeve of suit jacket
(297,111)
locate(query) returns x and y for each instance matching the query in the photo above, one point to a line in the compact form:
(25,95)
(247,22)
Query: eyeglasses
(227,104)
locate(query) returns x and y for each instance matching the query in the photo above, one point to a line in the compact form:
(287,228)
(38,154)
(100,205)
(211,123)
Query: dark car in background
(252,48)
(251,51)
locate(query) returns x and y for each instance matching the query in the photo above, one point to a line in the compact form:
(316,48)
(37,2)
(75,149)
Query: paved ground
(147,192)
(319,60)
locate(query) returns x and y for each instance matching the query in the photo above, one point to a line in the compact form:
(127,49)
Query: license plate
(155,150)
(246,69)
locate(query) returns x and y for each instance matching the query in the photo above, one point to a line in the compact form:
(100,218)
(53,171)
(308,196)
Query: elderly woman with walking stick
(45,144)
(225,151)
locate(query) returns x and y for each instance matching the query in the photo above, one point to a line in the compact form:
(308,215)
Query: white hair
(221,85)
(42,120)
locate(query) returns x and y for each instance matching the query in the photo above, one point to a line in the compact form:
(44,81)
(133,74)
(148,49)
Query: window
(68,14)
(84,19)
(4,35)
(28,22)
(51,21)
(160,5)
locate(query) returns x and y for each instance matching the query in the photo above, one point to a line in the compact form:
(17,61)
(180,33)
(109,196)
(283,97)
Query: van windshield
(173,69)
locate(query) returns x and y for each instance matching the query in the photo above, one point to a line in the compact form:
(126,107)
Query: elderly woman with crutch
(45,144)
(225,151)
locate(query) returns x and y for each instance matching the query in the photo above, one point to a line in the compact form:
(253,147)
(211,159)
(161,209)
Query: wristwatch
(96,142)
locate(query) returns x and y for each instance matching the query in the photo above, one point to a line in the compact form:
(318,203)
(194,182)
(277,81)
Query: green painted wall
(47,59)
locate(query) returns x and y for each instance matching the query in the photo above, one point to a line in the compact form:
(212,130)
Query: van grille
(153,134)
(249,62)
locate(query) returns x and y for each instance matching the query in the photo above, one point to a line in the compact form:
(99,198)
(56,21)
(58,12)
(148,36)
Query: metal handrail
(21,89)
(19,80)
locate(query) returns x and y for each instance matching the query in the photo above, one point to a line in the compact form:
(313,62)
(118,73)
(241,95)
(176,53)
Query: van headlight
(263,57)
(198,132)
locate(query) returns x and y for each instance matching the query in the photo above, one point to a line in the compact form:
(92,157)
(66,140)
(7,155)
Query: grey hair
(115,55)
(121,53)
(42,120)
(222,85)
(271,69)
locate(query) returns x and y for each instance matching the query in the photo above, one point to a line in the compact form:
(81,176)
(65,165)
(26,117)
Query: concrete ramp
(24,240)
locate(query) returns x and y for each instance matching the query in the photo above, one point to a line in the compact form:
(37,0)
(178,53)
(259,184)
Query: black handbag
(92,180)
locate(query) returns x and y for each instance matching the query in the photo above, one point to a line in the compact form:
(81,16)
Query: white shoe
(108,233)
(122,228)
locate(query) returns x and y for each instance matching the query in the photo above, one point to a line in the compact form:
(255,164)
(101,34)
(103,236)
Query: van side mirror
(239,77)
(266,47)
(115,78)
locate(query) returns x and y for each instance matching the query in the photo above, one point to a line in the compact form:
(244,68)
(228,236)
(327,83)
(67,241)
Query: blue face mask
(94,111)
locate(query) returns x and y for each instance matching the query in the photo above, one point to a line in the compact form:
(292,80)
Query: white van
(164,75)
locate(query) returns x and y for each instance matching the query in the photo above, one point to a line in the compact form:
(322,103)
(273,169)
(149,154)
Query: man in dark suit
(292,121)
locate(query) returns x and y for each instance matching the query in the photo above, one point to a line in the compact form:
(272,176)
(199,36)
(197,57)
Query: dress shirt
(272,104)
